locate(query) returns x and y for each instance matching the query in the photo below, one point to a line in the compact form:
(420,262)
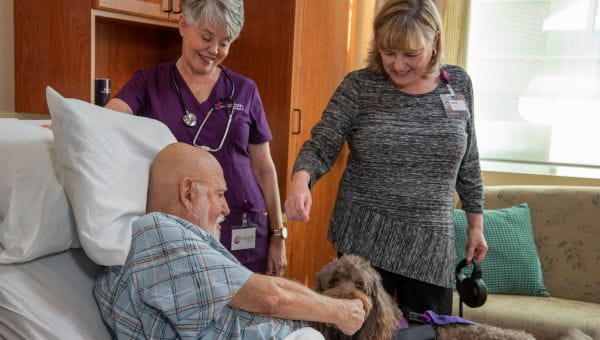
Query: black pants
(417,296)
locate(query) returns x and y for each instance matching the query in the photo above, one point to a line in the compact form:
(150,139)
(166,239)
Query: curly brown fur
(488,332)
(480,332)
(352,277)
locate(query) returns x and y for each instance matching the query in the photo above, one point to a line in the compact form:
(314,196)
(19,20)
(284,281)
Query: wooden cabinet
(155,9)
(66,44)
(52,47)
(120,47)
(295,50)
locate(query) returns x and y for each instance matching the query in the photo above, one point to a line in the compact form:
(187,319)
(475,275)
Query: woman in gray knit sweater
(408,122)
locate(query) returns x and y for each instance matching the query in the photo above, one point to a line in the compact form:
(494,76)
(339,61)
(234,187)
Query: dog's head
(352,277)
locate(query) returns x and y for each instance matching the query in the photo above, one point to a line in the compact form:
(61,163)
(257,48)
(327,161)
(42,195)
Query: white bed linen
(50,298)
(36,218)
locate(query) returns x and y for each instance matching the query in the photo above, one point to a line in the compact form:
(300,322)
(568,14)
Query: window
(535,66)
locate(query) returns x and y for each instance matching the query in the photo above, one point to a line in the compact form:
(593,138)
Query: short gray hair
(227,13)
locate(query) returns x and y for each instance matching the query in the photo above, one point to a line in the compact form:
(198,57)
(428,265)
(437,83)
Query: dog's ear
(385,315)
(324,275)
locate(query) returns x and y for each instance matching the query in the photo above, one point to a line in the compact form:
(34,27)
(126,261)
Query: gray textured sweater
(395,202)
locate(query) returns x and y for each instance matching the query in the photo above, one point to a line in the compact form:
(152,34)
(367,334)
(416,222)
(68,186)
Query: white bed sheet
(50,298)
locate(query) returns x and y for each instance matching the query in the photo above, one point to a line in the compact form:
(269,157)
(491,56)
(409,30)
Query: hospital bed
(50,298)
(46,280)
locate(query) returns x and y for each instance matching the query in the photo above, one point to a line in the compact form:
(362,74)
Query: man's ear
(186,193)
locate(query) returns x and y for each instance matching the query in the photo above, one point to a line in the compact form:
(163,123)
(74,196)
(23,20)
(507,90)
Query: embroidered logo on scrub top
(236,106)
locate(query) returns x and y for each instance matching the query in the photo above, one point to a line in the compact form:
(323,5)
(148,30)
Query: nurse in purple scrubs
(212,107)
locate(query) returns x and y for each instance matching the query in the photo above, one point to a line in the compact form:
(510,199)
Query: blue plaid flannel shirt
(176,283)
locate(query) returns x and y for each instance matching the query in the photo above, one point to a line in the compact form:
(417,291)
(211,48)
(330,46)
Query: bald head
(183,180)
(180,160)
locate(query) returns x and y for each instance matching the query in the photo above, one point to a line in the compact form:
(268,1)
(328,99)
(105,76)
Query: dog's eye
(359,285)
(333,282)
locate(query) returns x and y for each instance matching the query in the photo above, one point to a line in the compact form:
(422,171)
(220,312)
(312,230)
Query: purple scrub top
(151,93)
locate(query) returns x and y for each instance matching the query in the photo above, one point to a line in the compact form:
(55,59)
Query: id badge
(455,105)
(243,236)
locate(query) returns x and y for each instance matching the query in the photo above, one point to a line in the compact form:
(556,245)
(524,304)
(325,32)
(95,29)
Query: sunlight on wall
(569,17)
(361,32)
(535,67)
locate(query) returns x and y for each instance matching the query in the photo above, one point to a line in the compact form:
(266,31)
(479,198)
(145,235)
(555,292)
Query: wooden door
(155,9)
(320,52)
(263,53)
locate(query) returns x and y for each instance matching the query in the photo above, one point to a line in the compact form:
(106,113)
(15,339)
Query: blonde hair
(406,25)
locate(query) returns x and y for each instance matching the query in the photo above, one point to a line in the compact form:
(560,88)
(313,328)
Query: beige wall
(7,97)
(506,178)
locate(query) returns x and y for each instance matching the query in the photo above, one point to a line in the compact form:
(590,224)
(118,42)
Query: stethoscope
(190,119)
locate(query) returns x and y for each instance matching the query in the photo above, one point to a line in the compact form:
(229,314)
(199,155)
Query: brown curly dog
(351,276)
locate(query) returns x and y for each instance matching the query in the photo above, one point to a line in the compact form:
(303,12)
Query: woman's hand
(299,200)
(276,257)
(476,245)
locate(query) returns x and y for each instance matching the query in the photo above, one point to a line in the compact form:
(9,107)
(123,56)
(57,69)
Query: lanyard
(445,75)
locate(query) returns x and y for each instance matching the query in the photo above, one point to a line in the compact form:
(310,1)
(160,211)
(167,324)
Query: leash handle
(416,318)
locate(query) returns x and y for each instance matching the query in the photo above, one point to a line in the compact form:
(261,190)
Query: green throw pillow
(511,265)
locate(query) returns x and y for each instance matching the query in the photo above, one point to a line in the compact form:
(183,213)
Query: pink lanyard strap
(445,75)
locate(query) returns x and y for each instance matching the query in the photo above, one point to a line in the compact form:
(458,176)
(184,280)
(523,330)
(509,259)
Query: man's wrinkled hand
(352,317)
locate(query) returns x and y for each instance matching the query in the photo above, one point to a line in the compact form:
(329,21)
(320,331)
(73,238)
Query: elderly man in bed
(179,281)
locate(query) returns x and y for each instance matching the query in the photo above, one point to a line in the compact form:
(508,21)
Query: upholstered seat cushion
(545,318)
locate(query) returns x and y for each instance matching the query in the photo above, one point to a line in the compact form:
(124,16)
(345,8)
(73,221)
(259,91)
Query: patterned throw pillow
(512,265)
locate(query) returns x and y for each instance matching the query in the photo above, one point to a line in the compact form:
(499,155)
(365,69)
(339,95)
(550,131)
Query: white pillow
(35,215)
(104,159)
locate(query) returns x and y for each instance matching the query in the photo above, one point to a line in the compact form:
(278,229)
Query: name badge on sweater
(455,105)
